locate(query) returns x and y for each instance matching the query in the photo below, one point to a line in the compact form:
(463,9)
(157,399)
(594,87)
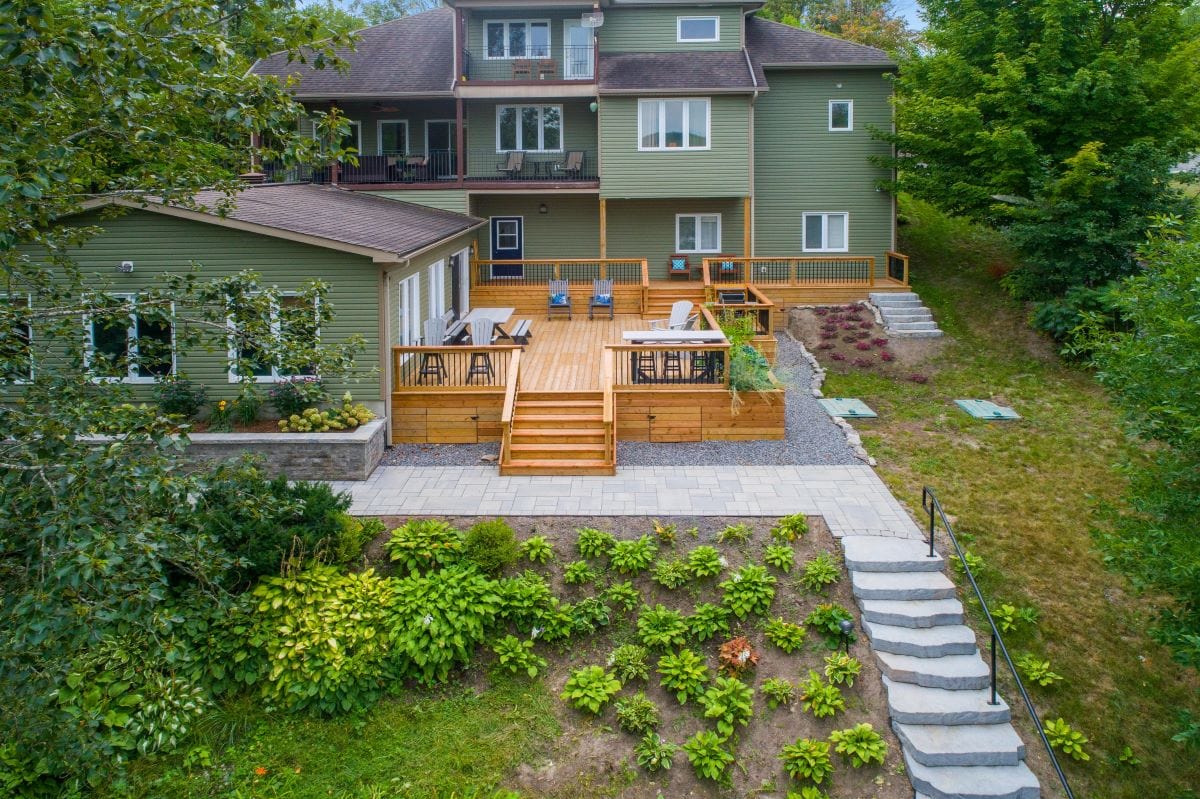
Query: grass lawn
(1026,495)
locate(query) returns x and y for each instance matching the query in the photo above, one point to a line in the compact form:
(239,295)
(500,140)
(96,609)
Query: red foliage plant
(837,356)
(879,342)
(862,362)
(866,325)
(863,345)
(917,377)
(825,345)
(736,655)
(887,356)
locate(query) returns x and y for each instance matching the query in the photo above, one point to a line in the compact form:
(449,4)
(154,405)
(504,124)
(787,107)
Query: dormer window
(517,38)
(697,29)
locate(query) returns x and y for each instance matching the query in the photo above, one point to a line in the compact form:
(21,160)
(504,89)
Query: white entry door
(578,58)
(408,312)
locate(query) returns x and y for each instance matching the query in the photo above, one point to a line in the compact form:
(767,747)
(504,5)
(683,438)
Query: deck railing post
(871,270)
(557,271)
(906,270)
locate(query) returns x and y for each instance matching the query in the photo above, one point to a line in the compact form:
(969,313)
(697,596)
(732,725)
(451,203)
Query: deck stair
(557,433)
(659,298)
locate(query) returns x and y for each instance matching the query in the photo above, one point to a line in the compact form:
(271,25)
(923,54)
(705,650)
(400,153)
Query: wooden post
(871,270)
(747,243)
(459,138)
(603,228)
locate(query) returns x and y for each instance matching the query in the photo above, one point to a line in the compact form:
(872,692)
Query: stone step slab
(915,704)
(901,585)
(907,315)
(913,326)
(921,642)
(973,782)
(918,613)
(953,673)
(937,746)
(879,297)
(871,553)
(915,333)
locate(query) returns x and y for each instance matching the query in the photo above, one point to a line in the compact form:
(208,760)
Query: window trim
(437,288)
(379,123)
(276,329)
(849,116)
(824,231)
(131,343)
(699,244)
(562,128)
(4,297)
(527,23)
(662,121)
(679,29)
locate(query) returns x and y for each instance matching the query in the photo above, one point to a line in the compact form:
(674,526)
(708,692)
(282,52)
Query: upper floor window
(529,127)
(841,115)
(517,38)
(392,135)
(826,232)
(673,124)
(697,233)
(291,322)
(126,345)
(697,29)
(16,339)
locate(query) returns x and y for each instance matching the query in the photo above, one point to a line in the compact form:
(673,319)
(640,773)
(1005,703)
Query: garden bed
(346,455)
(846,339)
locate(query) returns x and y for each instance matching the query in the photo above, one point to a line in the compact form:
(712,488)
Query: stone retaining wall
(300,456)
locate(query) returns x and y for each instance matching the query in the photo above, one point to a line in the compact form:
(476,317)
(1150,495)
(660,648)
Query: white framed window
(675,124)
(127,347)
(826,231)
(697,233)
(533,128)
(286,325)
(841,115)
(391,136)
(408,311)
(16,341)
(437,289)
(353,138)
(697,29)
(517,38)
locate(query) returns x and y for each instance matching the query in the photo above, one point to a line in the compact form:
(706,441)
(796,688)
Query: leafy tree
(1058,117)
(870,22)
(377,11)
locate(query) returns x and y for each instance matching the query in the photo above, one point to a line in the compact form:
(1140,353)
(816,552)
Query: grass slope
(1026,495)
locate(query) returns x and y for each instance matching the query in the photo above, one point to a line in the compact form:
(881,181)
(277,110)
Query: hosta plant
(590,688)
(536,549)
(671,574)
(705,561)
(737,655)
(654,753)
(807,759)
(827,618)
(729,702)
(859,744)
(778,692)
(637,713)
(841,668)
(807,792)
(790,528)
(622,595)
(589,615)
(578,573)
(423,544)
(707,620)
(665,533)
(736,533)
(661,627)
(819,698)
(594,543)
(708,756)
(968,560)
(525,600)
(1065,739)
(781,556)
(684,674)
(785,635)
(820,572)
(628,663)
(1037,670)
(633,557)
(514,655)
(748,590)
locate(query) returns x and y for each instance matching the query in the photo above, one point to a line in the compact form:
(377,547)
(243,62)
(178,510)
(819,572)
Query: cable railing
(930,503)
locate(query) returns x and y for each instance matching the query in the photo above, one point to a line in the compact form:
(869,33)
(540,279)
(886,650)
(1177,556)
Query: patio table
(499,317)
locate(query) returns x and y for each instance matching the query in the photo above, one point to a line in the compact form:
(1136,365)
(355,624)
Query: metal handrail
(930,503)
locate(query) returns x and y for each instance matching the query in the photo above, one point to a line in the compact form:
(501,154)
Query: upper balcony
(526,52)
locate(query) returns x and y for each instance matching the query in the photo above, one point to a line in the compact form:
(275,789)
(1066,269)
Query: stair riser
(534,423)
(972,682)
(1000,715)
(914,621)
(939,747)
(552,437)
(900,318)
(558,471)
(933,564)
(914,326)
(904,593)
(554,455)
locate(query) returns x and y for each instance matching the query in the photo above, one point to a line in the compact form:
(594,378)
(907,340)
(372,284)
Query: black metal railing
(930,503)
(571,62)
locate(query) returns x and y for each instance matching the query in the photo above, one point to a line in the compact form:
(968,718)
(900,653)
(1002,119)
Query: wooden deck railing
(645,284)
(897,266)
(452,368)
(758,308)
(537,272)
(669,366)
(609,411)
(807,271)
(512,386)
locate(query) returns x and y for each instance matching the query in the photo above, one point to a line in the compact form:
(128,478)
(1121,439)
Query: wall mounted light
(543,209)
(593,106)
(125,266)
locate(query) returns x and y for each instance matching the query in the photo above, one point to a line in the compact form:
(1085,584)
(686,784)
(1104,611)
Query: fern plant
(785,635)
(707,620)
(424,544)
(654,753)
(820,572)
(594,543)
(860,744)
(841,668)
(705,561)
(671,574)
(623,596)
(578,572)
(628,663)
(637,713)
(807,759)
(708,756)
(684,674)
(536,549)
(819,698)
(1037,671)
(778,692)
(748,590)
(1065,739)
(730,703)
(736,533)
(790,528)
(781,556)
(633,557)
(515,655)
(661,627)
(590,688)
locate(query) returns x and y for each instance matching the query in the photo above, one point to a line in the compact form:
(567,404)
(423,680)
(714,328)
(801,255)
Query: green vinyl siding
(415,112)
(447,200)
(570,228)
(653,30)
(646,228)
(483,159)
(484,68)
(721,171)
(800,165)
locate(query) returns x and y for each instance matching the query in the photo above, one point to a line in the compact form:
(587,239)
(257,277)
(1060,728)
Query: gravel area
(812,437)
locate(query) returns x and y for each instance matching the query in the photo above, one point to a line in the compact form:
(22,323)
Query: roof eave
(828,64)
(690,90)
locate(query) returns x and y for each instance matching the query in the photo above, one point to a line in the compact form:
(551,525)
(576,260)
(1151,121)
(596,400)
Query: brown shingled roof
(724,70)
(408,56)
(774,44)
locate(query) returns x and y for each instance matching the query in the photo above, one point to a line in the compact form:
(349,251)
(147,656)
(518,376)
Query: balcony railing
(570,62)
(440,166)
(538,272)
(807,271)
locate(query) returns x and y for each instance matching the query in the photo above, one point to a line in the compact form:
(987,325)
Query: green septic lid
(983,409)
(847,408)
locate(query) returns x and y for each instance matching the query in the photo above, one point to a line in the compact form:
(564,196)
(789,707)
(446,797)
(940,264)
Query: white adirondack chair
(679,317)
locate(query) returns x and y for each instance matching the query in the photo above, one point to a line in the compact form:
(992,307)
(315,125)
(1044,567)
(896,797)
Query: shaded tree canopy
(870,22)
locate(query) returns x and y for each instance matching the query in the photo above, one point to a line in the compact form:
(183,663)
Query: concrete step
(921,642)
(973,782)
(907,315)
(921,613)
(901,585)
(984,745)
(872,553)
(907,326)
(915,704)
(915,333)
(953,672)
(881,297)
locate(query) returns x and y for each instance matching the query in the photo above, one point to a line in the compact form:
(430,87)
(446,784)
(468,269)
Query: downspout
(753,105)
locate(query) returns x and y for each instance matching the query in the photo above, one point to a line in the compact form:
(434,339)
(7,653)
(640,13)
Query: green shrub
(589,615)
(633,557)
(781,556)
(807,759)
(352,534)
(819,572)
(579,572)
(421,545)
(594,543)
(807,792)
(822,699)
(707,620)
(623,595)
(525,600)
(737,533)
(708,756)
(671,574)
(654,753)
(705,561)
(730,703)
(296,395)
(590,688)
(785,635)
(790,528)
(748,590)
(180,397)
(514,655)
(536,549)
(628,663)
(1010,617)
(1037,671)
(661,627)
(1065,739)
(684,673)
(637,713)
(841,668)
(860,744)
(247,405)
(826,619)
(491,545)
(778,692)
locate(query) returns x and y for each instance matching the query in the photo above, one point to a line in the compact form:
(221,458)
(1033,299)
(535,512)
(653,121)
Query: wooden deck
(565,355)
